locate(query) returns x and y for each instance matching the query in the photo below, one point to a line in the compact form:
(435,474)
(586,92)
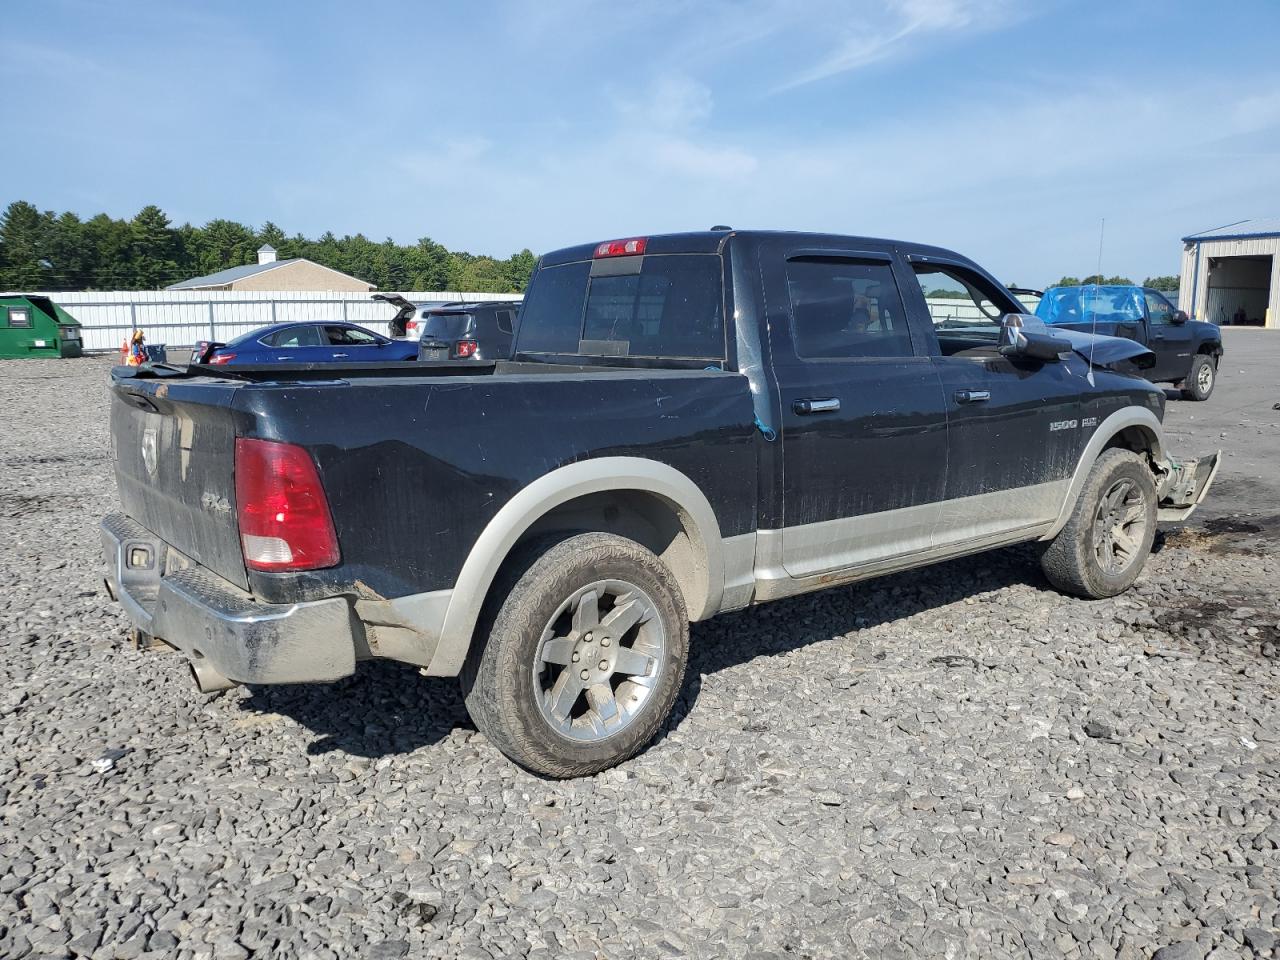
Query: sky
(1008,130)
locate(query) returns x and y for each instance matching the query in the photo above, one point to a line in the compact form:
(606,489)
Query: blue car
(306,343)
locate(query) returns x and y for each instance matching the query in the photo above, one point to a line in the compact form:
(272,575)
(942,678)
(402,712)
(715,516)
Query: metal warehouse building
(1231,275)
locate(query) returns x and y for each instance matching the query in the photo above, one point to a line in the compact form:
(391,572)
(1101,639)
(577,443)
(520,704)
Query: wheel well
(649,519)
(1213,349)
(1139,439)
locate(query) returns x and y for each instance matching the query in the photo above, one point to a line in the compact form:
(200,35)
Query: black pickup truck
(690,424)
(1186,352)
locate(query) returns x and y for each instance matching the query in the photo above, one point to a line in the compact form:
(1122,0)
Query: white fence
(945,308)
(179,318)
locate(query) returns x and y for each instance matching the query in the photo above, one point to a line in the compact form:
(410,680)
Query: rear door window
(672,308)
(296,337)
(844,308)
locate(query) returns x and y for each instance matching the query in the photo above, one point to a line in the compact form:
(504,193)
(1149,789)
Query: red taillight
(411,325)
(465,348)
(284,516)
(218,358)
(621,248)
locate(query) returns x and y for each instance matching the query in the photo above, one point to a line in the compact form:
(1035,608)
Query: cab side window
(842,309)
(1159,310)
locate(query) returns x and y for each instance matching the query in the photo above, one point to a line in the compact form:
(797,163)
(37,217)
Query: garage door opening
(1239,288)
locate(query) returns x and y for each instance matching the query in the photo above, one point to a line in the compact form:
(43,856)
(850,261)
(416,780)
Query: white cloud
(694,160)
(888,30)
(663,127)
(673,102)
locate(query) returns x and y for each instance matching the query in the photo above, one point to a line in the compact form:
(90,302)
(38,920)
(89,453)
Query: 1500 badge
(1072,424)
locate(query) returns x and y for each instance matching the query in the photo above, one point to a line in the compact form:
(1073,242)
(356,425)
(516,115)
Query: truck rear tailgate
(173,444)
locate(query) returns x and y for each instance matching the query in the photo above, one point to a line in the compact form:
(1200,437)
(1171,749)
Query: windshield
(446,326)
(1091,304)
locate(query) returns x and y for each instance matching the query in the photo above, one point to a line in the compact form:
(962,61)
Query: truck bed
(414,458)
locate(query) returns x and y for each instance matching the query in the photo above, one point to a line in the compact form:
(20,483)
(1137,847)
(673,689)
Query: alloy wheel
(598,660)
(1204,377)
(1120,526)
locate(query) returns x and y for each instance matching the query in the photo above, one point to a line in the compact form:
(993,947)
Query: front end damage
(1181,486)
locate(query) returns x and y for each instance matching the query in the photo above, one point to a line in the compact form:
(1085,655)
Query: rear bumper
(211,620)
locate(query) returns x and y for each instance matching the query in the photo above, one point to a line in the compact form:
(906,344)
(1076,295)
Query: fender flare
(597,475)
(1122,419)
(1214,347)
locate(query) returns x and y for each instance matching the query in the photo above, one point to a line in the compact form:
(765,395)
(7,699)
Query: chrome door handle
(972,396)
(806,407)
(337,355)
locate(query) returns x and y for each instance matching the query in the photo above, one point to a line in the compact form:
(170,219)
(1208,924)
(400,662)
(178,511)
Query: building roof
(1269,227)
(230,275)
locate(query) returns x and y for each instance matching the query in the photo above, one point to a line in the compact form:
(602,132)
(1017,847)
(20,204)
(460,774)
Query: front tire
(1105,543)
(1202,378)
(583,659)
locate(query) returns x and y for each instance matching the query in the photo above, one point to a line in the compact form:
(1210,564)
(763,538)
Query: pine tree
(23,234)
(154,249)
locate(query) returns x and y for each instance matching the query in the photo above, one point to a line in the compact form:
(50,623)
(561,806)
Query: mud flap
(1186,486)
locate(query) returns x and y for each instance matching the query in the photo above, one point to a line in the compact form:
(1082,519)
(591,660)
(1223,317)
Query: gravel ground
(953,762)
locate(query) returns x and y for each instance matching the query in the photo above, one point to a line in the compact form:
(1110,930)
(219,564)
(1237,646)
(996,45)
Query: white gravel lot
(954,762)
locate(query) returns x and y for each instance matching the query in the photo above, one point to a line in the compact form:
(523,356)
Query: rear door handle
(806,407)
(972,396)
(337,355)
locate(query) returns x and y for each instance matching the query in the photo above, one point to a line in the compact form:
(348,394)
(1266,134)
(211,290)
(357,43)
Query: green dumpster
(32,326)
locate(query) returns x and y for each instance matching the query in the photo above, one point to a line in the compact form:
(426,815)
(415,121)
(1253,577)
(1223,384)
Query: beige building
(272,274)
(1231,275)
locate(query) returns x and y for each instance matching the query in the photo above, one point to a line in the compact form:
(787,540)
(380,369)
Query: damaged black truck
(690,424)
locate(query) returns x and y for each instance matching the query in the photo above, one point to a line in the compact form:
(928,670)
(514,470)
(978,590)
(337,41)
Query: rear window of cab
(671,308)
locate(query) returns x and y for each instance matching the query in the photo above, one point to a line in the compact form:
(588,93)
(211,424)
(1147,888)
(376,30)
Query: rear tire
(1202,378)
(1105,543)
(583,657)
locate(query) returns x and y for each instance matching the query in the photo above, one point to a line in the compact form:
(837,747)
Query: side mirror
(1015,341)
(1179,316)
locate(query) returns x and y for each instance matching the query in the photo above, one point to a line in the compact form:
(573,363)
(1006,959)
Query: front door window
(964,306)
(1159,310)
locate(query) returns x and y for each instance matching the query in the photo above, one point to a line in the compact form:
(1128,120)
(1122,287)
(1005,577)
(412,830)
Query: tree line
(44,250)
(1163,284)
